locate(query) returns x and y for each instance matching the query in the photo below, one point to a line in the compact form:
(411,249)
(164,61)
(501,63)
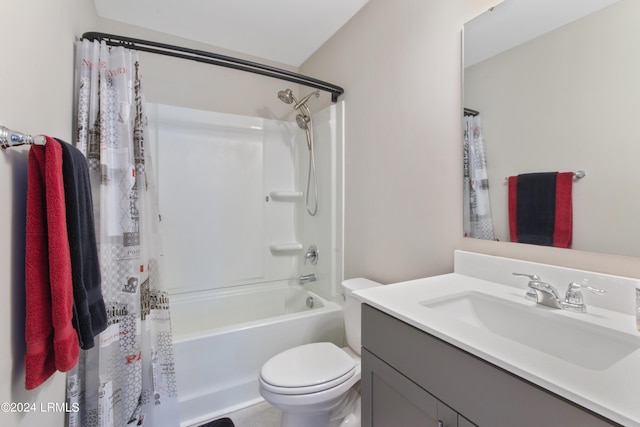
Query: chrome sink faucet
(543,293)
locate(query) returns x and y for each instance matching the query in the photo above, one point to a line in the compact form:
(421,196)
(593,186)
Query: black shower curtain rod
(215,59)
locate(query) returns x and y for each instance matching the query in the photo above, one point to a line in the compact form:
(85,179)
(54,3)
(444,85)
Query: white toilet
(313,384)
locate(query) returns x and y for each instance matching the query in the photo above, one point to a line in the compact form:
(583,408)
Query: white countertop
(613,392)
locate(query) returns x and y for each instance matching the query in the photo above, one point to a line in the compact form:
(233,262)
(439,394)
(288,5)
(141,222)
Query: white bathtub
(222,339)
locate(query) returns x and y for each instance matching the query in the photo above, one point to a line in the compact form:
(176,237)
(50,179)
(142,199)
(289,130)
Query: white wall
(325,228)
(223,227)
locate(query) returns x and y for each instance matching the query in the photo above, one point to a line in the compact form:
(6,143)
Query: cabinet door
(447,417)
(389,399)
(463,422)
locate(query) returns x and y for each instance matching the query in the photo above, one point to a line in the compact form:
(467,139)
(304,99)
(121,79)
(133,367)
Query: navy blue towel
(536,207)
(89,313)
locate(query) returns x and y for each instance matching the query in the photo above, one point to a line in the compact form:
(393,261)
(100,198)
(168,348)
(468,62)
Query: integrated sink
(544,329)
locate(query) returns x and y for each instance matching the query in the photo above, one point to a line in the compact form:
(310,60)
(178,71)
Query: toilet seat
(309,368)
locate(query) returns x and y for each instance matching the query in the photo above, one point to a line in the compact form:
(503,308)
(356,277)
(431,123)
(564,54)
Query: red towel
(513,208)
(52,342)
(563,232)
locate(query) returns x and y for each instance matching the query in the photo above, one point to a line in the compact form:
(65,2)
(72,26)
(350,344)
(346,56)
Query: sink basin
(573,340)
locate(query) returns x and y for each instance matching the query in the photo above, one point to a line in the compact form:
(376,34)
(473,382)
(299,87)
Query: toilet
(317,384)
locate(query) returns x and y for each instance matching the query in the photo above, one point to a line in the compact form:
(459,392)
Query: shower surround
(235,232)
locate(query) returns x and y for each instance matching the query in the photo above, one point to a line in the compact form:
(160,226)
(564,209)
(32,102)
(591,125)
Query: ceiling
(286,31)
(514,22)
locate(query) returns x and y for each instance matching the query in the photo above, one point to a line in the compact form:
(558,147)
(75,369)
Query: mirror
(563,96)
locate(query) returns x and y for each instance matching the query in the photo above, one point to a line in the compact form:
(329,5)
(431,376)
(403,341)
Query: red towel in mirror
(563,233)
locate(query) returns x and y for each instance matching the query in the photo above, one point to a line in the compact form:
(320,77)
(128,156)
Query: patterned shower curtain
(478,222)
(128,377)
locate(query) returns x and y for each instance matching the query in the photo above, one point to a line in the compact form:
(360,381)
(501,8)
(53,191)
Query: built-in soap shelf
(288,248)
(285,195)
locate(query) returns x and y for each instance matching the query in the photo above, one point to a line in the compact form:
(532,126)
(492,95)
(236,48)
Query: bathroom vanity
(404,369)
(467,349)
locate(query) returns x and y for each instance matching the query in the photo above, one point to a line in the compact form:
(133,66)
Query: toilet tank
(352,310)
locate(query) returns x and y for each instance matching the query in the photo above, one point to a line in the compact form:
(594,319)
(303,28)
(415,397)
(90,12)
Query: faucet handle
(530,276)
(531,295)
(573,298)
(312,255)
(576,286)
(574,294)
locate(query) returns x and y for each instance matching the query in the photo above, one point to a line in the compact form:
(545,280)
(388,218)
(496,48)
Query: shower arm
(303,102)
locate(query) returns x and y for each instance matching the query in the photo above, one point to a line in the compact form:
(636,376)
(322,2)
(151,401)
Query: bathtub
(222,339)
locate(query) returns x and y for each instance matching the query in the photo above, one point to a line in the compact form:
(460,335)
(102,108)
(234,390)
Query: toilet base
(345,414)
(348,413)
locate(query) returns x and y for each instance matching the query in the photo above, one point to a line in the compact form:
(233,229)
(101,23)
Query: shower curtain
(478,222)
(128,377)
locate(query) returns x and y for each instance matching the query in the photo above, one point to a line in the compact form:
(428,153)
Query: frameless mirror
(556,83)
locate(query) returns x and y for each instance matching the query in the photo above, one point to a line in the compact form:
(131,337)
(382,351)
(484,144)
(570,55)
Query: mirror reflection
(557,99)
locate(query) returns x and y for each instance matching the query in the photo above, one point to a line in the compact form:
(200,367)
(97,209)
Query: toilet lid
(317,366)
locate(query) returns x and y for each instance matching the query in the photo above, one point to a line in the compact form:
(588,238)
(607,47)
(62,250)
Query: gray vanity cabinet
(397,401)
(410,378)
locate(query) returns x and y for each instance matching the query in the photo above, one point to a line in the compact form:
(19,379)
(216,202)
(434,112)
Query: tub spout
(307,278)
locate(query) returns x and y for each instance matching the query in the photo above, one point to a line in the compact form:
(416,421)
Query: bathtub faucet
(307,278)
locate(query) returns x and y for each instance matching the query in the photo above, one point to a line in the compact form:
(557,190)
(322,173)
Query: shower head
(303,121)
(304,118)
(287,97)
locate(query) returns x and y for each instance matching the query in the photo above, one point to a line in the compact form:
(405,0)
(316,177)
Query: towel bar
(579,174)
(12,138)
